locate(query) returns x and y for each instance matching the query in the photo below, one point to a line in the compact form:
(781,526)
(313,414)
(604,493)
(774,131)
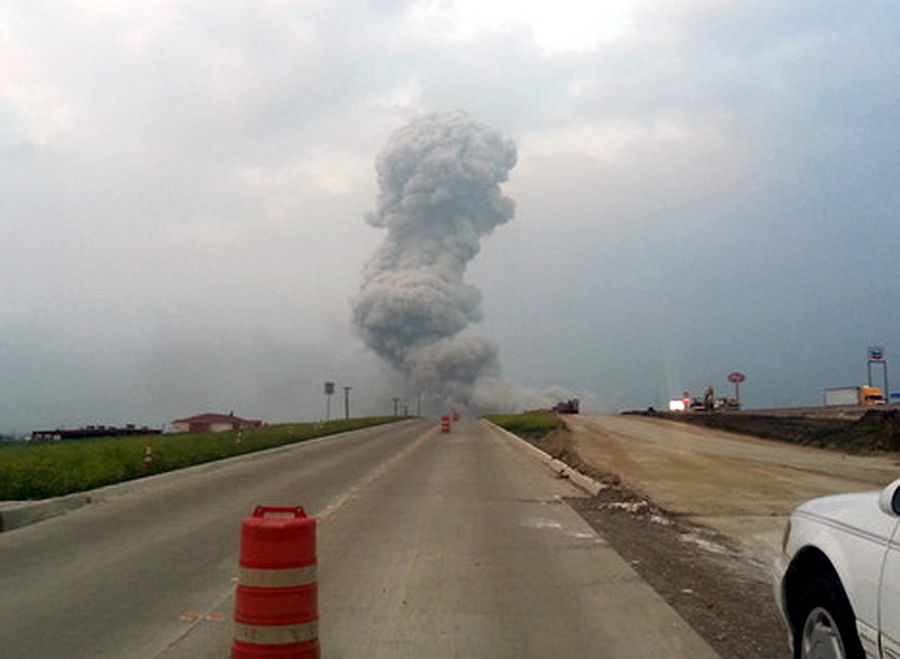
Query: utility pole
(419,405)
(396,403)
(347,402)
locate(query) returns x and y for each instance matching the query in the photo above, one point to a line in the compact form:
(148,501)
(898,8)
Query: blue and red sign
(876,354)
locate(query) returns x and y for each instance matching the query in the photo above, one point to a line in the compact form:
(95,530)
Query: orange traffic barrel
(445,424)
(276,612)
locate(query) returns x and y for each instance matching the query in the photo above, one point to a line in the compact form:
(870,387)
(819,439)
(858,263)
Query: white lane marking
(376,473)
(542,523)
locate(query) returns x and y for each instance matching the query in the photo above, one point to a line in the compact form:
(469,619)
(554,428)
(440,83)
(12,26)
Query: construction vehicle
(726,404)
(709,403)
(567,407)
(857,396)
(705,404)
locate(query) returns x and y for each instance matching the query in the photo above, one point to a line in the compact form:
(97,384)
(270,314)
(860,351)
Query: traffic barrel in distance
(445,424)
(276,612)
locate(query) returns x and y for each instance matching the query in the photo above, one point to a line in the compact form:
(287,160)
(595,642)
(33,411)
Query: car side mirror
(889,499)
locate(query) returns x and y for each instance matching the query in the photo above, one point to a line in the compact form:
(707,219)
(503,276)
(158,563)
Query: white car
(838,580)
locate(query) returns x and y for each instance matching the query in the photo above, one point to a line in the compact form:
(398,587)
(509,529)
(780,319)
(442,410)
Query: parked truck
(567,407)
(859,396)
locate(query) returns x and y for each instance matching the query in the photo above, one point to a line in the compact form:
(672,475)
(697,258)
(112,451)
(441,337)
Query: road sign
(876,353)
(736,377)
(329,388)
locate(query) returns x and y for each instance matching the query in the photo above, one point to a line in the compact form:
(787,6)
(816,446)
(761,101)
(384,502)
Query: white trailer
(865,396)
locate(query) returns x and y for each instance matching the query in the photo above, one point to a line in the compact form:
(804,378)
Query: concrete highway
(430,545)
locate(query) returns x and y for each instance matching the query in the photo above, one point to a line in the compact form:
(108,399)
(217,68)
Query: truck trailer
(858,396)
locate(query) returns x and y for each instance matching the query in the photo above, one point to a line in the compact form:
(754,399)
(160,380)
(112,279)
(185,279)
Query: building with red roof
(211,422)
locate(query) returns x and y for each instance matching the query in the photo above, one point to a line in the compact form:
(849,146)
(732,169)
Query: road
(430,545)
(741,486)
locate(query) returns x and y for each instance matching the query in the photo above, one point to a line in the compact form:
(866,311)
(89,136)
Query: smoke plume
(439,192)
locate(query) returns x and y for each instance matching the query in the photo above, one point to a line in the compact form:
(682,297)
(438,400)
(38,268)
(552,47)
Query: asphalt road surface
(430,545)
(742,486)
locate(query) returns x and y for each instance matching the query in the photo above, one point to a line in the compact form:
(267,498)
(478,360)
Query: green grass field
(531,425)
(38,471)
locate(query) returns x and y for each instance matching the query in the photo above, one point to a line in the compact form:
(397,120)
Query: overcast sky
(702,186)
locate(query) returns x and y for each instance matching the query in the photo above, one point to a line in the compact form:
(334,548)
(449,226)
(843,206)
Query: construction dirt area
(700,512)
(741,486)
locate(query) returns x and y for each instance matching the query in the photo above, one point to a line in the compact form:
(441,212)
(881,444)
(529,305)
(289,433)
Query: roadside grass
(533,424)
(41,470)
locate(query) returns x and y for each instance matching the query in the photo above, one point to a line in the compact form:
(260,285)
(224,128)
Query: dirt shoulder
(743,487)
(699,513)
(724,596)
(721,591)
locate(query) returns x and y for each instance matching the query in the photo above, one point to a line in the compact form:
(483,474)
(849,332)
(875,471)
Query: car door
(889,610)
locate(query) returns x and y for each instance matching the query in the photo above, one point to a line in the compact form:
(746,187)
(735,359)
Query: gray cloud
(439,193)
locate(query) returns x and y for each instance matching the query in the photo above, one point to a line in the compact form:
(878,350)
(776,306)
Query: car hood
(841,506)
(859,510)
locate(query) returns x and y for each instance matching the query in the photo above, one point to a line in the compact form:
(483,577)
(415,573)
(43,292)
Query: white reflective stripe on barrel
(283,578)
(276,634)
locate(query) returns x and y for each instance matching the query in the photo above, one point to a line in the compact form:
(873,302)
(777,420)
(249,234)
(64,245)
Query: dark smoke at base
(439,192)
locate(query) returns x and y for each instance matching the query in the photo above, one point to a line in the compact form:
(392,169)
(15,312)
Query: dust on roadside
(723,593)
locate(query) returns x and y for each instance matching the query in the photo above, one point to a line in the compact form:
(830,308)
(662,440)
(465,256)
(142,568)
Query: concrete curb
(15,514)
(23,513)
(558,467)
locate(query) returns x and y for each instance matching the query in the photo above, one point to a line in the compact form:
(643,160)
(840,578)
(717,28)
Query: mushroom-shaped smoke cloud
(439,192)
